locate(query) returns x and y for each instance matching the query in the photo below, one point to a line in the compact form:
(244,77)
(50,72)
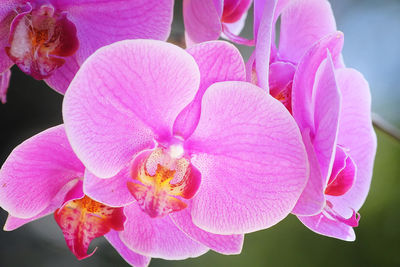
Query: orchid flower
(50,39)
(207,20)
(331,105)
(166,130)
(43,176)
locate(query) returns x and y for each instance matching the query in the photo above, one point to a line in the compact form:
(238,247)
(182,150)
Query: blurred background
(372,37)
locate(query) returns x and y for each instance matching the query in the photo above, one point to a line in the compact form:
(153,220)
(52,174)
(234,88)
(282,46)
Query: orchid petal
(326,101)
(128,255)
(251,157)
(356,133)
(7,15)
(343,174)
(304,77)
(97,26)
(202,22)
(36,171)
(112,192)
(304,22)
(158,238)
(325,226)
(67,193)
(4,83)
(225,244)
(263,35)
(62,77)
(120,115)
(218,61)
(312,199)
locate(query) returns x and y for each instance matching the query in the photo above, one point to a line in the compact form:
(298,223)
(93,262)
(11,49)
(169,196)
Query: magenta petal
(225,244)
(158,238)
(135,19)
(128,255)
(7,14)
(304,22)
(125,96)
(112,192)
(62,77)
(251,157)
(304,77)
(343,174)
(4,83)
(322,225)
(218,61)
(263,33)
(36,171)
(326,101)
(312,199)
(67,193)
(202,21)
(280,75)
(356,134)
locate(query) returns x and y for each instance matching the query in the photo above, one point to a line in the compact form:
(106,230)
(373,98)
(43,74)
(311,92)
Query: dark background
(372,36)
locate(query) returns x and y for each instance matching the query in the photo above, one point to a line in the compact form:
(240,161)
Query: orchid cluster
(170,152)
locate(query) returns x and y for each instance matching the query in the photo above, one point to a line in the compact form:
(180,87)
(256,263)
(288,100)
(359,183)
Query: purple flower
(43,176)
(331,105)
(195,154)
(207,20)
(50,39)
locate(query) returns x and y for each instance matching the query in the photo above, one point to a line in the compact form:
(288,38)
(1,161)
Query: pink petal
(4,83)
(135,19)
(326,100)
(125,96)
(112,192)
(322,225)
(158,238)
(218,61)
(63,76)
(36,171)
(280,75)
(343,174)
(7,14)
(63,196)
(128,255)
(356,134)
(225,244)
(263,33)
(312,199)
(305,75)
(234,10)
(251,157)
(304,22)
(202,21)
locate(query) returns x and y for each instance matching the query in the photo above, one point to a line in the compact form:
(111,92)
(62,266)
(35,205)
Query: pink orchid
(331,105)
(207,20)
(50,39)
(43,176)
(194,153)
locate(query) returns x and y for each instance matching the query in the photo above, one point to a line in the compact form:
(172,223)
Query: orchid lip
(162,180)
(330,213)
(85,219)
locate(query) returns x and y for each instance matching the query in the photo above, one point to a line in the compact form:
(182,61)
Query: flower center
(163,179)
(40,39)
